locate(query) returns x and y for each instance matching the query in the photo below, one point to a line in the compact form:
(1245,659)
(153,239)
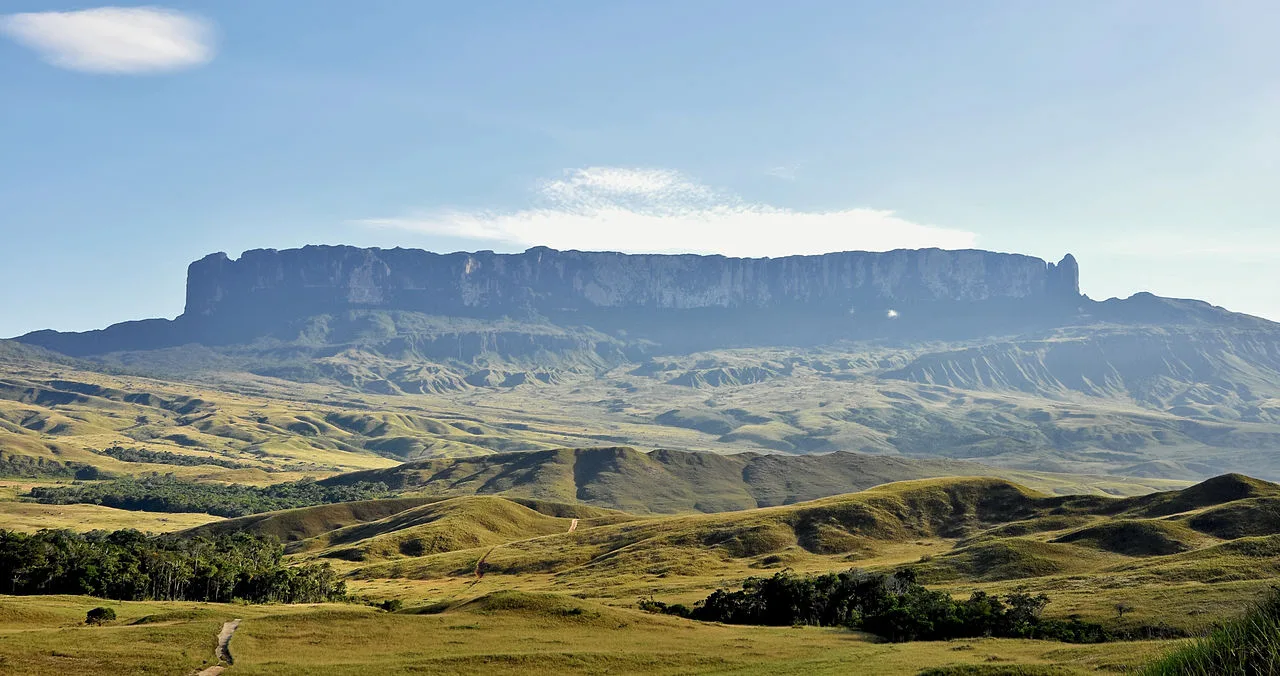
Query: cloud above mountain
(117,40)
(661,211)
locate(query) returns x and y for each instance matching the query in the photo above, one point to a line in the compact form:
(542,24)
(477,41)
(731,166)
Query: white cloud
(661,211)
(115,39)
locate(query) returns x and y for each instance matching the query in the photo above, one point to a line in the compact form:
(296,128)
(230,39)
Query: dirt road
(223,651)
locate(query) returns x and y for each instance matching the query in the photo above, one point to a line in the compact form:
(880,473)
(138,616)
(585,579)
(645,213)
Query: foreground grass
(1248,645)
(496,633)
(46,635)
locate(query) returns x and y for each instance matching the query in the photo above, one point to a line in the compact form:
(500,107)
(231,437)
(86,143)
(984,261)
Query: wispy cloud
(658,210)
(115,39)
(786,172)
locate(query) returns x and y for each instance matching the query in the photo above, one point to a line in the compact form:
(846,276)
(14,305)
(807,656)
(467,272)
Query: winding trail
(223,651)
(478,572)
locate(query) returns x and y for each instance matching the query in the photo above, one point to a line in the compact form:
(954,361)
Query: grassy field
(507,631)
(26,516)
(497,584)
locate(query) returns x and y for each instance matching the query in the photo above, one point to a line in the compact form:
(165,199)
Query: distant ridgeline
(676,300)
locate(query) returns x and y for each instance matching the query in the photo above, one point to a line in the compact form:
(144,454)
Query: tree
(1121,609)
(896,607)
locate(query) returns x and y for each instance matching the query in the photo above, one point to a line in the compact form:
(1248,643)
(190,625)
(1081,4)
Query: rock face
(319,279)
(676,302)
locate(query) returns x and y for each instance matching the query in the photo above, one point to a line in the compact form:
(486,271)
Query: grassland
(816,401)
(1152,553)
(479,546)
(492,583)
(26,516)
(499,632)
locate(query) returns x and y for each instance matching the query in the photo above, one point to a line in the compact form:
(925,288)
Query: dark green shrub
(649,605)
(100,615)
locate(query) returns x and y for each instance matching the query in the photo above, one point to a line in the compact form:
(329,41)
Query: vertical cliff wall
(318,279)
(677,302)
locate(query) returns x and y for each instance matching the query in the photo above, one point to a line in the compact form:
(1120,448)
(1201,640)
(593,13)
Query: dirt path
(573,525)
(223,651)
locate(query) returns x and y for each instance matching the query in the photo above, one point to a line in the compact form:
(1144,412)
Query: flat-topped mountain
(614,304)
(678,301)
(321,278)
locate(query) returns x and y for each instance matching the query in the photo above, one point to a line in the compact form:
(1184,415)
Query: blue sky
(1141,136)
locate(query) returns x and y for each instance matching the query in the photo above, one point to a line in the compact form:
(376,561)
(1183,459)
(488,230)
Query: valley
(502,485)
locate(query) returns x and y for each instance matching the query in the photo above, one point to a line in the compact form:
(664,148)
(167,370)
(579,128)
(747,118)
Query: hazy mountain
(678,301)
(961,354)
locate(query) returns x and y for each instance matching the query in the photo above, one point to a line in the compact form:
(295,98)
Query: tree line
(895,607)
(146,455)
(34,467)
(127,565)
(170,494)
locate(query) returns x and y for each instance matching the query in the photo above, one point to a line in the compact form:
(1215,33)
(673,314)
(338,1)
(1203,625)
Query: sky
(1141,136)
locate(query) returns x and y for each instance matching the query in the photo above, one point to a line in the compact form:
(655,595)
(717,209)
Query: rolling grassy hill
(1180,401)
(504,579)
(392,528)
(662,481)
(56,417)
(665,481)
(1087,551)
(494,469)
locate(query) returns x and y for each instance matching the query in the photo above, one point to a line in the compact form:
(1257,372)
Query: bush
(650,605)
(100,615)
(391,605)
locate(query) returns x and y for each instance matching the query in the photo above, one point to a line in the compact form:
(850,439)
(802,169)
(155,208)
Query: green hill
(846,525)
(663,481)
(962,530)
(300,524)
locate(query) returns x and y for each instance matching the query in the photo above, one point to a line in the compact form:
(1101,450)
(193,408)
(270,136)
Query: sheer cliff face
(318,279)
